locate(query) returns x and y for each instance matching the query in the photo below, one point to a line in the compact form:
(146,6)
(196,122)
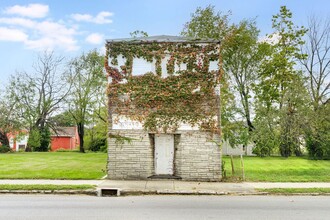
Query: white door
(164,154)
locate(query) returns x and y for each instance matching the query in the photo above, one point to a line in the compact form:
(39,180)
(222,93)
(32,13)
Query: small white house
(237,150)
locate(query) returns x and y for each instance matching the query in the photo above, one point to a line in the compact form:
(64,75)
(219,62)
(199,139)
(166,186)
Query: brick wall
(196,156)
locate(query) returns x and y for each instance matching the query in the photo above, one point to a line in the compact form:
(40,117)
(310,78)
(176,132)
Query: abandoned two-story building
(164,108)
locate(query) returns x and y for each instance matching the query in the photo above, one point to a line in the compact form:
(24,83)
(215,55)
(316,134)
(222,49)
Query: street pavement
(75,207)
(131,187)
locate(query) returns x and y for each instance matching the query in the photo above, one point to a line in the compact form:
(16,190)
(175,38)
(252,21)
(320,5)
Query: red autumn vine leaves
(185,96)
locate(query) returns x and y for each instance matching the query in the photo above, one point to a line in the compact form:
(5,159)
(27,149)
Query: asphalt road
(42,207)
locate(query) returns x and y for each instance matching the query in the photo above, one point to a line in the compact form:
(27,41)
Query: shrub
(317,134)
(4,149)
(39,140)
(104,148)
(97,144)
(34,140)
(44,139)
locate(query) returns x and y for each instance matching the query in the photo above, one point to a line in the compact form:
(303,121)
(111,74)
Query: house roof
(64,132)
(161,39)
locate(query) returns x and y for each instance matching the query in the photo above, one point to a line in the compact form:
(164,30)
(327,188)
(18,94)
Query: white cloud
(8,34)
(95,38)
(82,17)
(52,34)
(100,18)
(30,25)
(270,39)
(18,21)
(31,10)
(41,35)
(46,43)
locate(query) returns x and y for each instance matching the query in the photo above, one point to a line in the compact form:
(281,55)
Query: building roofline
(161,39)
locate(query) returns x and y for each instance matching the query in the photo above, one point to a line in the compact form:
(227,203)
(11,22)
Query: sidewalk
(125,187)
(177,187)
(206,188)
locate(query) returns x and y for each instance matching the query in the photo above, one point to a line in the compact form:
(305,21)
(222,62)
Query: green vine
(185,96)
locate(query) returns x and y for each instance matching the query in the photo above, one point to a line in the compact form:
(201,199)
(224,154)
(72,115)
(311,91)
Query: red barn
(65,138)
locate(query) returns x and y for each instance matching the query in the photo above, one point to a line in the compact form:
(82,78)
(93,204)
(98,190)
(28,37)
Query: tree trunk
(250,125)
(245,103)
(4,139)
(81,132)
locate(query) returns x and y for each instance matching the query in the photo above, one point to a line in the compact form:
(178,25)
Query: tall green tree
(96,134)
(276,93)
(38,94)
(63,119)
(206,23)
(88,89)
(316,68)
(316,64)
(242,56)
(9,120)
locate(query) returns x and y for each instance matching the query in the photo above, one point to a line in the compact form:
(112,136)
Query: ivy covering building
(164,108)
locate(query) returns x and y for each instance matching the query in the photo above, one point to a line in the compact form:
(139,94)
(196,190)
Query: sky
(69,28)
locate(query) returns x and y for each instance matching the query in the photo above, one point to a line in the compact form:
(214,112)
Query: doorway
(164,154)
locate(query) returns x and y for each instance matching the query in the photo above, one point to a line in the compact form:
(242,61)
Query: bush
(34,140)
(97,144)
(44,140)
(318,147)
(104,148)
(4,149)
(317,135)
(39,140)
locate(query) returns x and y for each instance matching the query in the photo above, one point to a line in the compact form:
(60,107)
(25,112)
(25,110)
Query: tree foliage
(316,67)
(317,133)
(317,61)
(96,134)
(279,101)
(206,23)
(63,119)
(242,56)
(38,95)
(9,119)
(88,89)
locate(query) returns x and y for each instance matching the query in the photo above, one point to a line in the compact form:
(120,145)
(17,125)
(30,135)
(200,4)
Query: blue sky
(72,27)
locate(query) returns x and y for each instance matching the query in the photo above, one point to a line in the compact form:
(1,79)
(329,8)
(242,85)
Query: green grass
(53,165)
(45,187)
(278,169)
(294,190)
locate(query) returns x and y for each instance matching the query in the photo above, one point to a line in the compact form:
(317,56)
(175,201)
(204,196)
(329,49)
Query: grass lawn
(295,190)
(278,169)
(45,187)
(53,165)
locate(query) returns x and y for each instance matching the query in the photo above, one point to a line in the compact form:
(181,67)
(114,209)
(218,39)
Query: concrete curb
(155,192)
(135,192)
(54,192)
(185,193)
